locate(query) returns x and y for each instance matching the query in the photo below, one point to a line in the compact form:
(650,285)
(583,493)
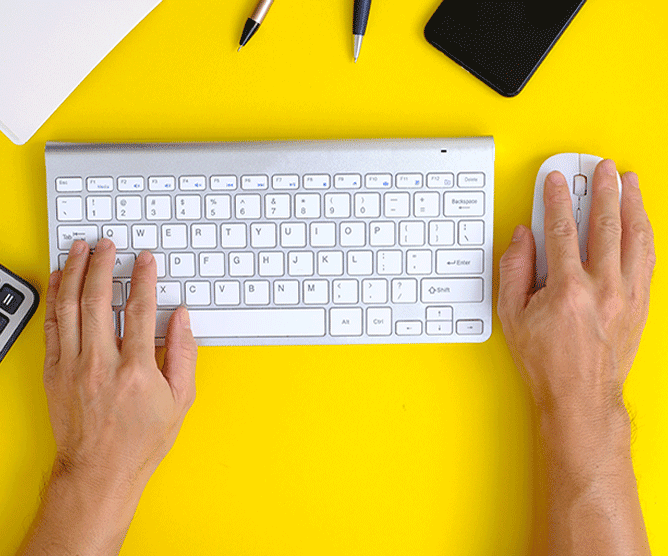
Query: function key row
(279,182)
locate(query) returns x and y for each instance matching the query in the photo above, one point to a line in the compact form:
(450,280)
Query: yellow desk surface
(387,450)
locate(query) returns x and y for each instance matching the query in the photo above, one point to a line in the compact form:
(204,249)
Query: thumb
(517,269)
(180,357)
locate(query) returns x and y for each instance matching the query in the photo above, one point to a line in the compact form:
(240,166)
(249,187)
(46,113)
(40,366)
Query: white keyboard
(270,243)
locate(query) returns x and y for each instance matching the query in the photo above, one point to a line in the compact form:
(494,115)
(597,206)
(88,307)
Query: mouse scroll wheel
(580,185)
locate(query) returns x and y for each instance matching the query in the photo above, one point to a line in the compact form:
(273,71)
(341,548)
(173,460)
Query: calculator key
(10,299)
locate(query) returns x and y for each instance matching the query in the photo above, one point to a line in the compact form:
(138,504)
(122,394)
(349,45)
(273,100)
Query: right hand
(575,339)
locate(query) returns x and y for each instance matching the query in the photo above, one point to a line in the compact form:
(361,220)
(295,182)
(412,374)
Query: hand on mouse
(575,339)
(114,413)
(574,342)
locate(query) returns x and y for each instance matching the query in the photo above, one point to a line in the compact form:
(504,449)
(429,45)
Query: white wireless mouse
(578,169)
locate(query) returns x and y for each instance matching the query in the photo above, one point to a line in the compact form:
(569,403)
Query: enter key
(450,261)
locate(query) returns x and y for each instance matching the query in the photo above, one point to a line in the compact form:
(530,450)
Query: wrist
(585,441)
(81,514)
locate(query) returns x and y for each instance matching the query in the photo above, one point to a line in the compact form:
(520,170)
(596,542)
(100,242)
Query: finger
(561,234)
(605,224)
(180,357)
(517,270)
(140,310)
(638,255)
(51,322)
(97,329)
(68,310)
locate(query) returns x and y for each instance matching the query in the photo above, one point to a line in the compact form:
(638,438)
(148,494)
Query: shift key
(452,290)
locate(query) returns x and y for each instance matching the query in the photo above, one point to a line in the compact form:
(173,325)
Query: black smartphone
(502,43)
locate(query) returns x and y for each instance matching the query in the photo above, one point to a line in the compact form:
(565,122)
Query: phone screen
(502,43)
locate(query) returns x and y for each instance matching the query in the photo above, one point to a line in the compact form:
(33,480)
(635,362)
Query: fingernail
(54,278)
(144,257)
(518,233)
(103,244)
(633,179)
(609,167)
(556,178)
(78,247)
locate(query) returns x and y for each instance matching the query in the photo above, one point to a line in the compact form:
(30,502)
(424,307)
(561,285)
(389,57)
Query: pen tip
(239,49)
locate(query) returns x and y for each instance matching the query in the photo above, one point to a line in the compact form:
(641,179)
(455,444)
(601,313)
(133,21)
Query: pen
(360,18)
(254,21)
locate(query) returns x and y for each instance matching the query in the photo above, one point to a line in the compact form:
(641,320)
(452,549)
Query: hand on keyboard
(114,413)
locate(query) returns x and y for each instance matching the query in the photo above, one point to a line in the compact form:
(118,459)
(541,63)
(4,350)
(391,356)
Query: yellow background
(386,450)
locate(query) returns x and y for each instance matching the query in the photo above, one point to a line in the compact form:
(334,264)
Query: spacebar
(257,323)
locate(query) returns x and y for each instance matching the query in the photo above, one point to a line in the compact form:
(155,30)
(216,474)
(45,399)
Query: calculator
(18,302)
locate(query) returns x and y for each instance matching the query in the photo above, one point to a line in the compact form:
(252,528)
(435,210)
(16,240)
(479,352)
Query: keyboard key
(409,181)
(248,206)
(217,207)
(367,205)
(379,321)
(182,265)
(198,293)
(144,236)
(378,181)
(285,182)
(168,293)
(347,181)
(256,292)
(188,207)
(472,327)
(254,183)
(67,235)
(161,183)
(464,204)
(158,207)
(100,184)
(471,179)
(123,265)
(118,233)
(69,209)
(67,185)
(440,180)
(345,322)
(223,183)
(135,183)
(192,183)
(459,261)
(258,323)
(317,181)
(128,208)
(472,232)
(409,328)
(452,290)
(227,293)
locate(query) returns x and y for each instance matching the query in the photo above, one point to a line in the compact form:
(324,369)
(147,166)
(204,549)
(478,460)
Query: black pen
(254,21)
(360,18)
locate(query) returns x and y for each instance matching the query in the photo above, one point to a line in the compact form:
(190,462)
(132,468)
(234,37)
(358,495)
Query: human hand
(575,339)
(114,413)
